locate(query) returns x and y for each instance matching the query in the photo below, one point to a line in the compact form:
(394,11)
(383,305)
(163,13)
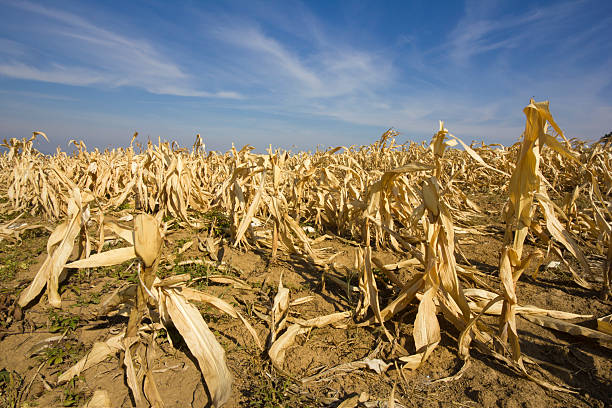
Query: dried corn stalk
(59,248)
(527,183)
(172,299)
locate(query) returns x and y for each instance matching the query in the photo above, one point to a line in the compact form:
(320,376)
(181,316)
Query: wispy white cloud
(328,69)
(56,73)
(480,31)
(12,48)
(253,39)
(99,57)
(36,95)
(352,84)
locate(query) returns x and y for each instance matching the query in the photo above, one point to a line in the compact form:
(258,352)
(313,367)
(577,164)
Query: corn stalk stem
(140,308)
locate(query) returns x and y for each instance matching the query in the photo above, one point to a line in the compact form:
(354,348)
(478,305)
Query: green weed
(62,322)
(65,352)
(72,395)
(221,222)
(272,392)
(9,267)
(54,355)
(10,384)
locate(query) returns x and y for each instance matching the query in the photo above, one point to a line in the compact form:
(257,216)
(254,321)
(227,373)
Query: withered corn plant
(171,297)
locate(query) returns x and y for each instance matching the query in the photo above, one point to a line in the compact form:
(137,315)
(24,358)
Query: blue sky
(300,74)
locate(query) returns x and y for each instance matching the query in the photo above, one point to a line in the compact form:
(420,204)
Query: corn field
(417,202)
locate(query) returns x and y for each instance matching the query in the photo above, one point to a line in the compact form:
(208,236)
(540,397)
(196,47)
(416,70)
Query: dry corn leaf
(231,280)
(59,248)
(391,403)
(100,399)
(191,294)
(107,258)
(126,234)
(570,328)
(134,378)
(302,300)
(97,354)
(556,229)
(482,297)
(280,307)
(477,157)
(369,291)
(350,402)
(279,347)
(604,324)
(201,343)
(147,238)
(123,294)
(185,247)
(246,221)
(426,328)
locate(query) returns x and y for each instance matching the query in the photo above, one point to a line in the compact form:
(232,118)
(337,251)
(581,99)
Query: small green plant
(91,299)
(270,392)
(10,384)
(293,286)
(198,273)
(72,287)
(33,233)
(123,272)
(8,270)
(107,287)
(94,298)
(65,352)
(161,336)
(310,228)
(72,395)
(220,220)
(54,355)
(9,267)
(181,242)
(83,275)
(62,322)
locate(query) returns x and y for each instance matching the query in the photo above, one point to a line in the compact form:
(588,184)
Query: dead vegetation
(416,202)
